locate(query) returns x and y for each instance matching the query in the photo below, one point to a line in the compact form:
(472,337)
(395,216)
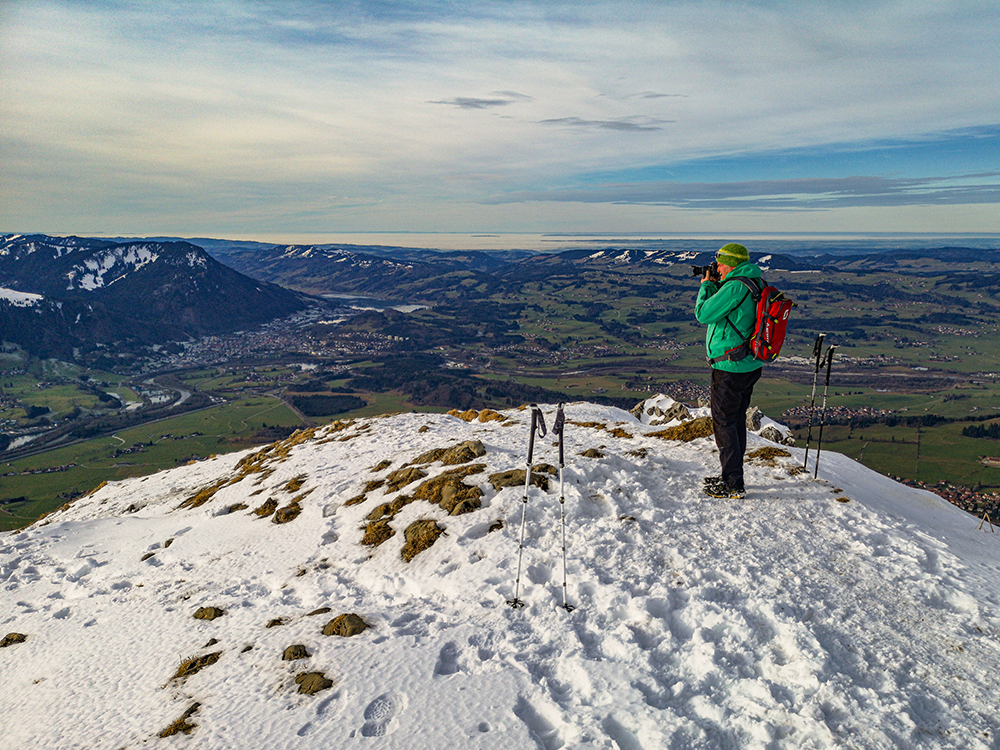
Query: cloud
(627,124)
(500,99)
(816,193)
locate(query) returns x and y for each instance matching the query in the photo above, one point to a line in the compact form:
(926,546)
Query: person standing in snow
(730,313)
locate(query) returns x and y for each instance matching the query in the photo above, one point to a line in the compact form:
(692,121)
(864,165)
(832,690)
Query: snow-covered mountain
(86,291)
(845,612)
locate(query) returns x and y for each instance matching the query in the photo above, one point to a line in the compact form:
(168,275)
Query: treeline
(324,405)
(991,431)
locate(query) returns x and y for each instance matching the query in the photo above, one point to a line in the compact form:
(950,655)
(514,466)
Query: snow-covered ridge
(19,299)
(849,611)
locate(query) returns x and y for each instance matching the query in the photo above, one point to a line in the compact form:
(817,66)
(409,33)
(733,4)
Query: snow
(20,299)
(850,611)
(90,274)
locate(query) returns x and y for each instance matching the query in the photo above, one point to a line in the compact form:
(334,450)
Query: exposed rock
(345,625)
(11,638)
(767,455)
(754,415)
(298,651)
(420,535)
(311,683)
(381,466)
(457,454)
(277,622)
(515,477)
(209,613)
(289,513)
(450,492)
(320,611)
(402,477)
(775,435)
(677,411)
(592,453)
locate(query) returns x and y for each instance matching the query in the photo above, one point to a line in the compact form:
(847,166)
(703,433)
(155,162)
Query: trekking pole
(537,423)
(822,419)
(558,428)
(817,353)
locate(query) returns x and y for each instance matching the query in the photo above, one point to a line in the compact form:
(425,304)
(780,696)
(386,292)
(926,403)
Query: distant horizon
(548,241)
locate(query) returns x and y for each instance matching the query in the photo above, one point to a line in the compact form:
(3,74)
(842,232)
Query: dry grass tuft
(266,508)
(420,535)
(402,477)
(377,532)
(193,666)
(294,485)
(209,613)
(182,726)
(696,428)
(381,466)
(11,638)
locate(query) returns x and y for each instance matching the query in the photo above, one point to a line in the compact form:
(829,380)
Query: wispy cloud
(782,194)
(498,99)
(635,125)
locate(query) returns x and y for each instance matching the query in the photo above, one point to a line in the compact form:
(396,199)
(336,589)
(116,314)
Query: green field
(174,441)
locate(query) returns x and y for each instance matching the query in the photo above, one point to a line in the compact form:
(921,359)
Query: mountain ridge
(849,610)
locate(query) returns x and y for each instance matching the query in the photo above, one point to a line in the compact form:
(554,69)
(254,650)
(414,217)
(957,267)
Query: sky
(249,119)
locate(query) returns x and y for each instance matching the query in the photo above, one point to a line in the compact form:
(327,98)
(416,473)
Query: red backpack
(768,332)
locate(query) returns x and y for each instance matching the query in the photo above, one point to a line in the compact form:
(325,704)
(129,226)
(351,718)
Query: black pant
(731,392)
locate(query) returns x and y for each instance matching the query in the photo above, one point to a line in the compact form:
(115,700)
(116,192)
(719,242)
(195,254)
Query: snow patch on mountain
(20,299)
(850,611)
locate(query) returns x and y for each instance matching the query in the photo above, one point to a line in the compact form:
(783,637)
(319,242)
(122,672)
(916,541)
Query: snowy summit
(348,587)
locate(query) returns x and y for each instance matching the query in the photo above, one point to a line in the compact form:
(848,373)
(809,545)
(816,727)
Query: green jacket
(715,303)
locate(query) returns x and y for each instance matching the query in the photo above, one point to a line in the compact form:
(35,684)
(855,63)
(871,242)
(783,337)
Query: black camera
(712,271)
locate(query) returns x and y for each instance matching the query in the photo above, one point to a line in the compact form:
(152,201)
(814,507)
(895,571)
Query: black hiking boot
(715,487)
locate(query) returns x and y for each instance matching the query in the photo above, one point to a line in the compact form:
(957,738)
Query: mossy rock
(357,499)
(320,611)
(402,477)
(450,492)
(620,432)
(457,454)
(266,508)
(182,725)
(381,466)
(377,532)
(592,453)
(420,535)
(373,485)
(311,683)
(209,613)
(289,513)
(277,622)
(345,625)
(298,651)
(696,428)
(236,507)
(193,666)
(11,638)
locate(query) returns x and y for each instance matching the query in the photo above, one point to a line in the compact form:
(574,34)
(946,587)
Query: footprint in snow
(447,663)
(380,716)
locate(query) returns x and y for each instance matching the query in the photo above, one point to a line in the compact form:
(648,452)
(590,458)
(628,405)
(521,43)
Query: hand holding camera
(710,272)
